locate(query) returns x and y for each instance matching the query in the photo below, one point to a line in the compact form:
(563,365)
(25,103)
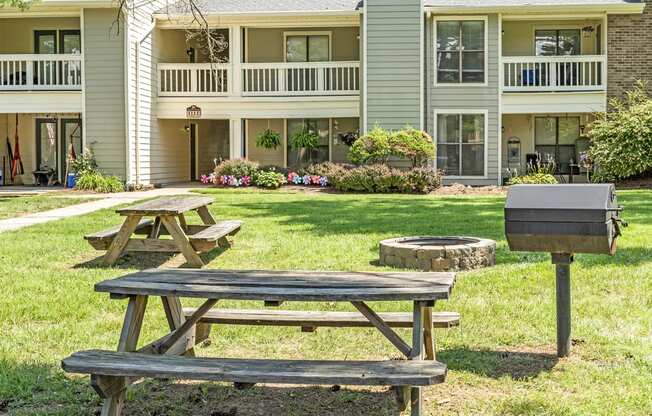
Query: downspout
(137,45)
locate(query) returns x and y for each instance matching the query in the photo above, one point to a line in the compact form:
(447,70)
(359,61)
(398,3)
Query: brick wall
(629,42)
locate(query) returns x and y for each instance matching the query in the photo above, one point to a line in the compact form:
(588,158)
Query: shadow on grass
(145,260)
(518,365)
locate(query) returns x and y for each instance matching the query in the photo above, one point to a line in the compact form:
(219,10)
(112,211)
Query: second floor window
(307,48)
(461,51)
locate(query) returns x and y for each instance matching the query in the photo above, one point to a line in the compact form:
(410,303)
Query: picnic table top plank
(167,205)
(391,372)
(283,285)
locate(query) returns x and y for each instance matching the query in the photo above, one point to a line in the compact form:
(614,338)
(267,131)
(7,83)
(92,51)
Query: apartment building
(494,82)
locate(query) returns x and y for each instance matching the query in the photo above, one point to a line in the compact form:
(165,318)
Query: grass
(16,206)
(501,360)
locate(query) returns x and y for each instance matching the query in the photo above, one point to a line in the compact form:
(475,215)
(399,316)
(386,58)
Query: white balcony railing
(193,79)
(554,73)
(40,72)
(301,78)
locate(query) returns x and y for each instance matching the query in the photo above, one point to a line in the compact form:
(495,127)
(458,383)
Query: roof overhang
(621,8)
(267,19)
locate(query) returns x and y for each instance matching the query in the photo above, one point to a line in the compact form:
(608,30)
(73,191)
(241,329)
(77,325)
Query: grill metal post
(562,264)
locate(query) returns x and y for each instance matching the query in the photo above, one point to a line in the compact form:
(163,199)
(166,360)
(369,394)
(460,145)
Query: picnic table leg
(206,215)
(417,354)
(428,333)
(156,229)
(128,342)
(182,241)
(121,239)
(176,318)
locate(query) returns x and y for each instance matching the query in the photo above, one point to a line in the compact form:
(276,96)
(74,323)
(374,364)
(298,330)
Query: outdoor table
(172,356)
(168,215)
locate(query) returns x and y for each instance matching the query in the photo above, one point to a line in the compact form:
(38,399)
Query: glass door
(306,48)
(45,43)
(555,138)
(47,149)
(559,42)
(70,43)
(71,141)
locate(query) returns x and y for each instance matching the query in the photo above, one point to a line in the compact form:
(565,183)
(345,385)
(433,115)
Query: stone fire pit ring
(438,254)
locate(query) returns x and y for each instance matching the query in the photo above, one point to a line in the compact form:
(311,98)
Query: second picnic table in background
(168,217)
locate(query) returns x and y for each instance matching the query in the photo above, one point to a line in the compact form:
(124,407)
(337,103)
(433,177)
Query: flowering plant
(206,179)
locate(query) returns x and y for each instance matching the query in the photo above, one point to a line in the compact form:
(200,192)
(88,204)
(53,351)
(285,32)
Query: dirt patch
(460,189)
(641,183)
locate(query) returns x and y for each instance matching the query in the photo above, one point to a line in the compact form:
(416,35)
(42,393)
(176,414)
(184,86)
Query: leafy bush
(237,168)
(269,179)
(381,178)
(412,144)
(533,179)
(97,182)
(422,180)
(269,139)
(304,139)
(373,147)
(327,169)
(84,163)
(621,139)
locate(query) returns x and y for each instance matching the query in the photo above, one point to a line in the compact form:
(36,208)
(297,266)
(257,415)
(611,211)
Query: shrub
(533,179)
(373,147)
(327,169)
(269,139)
(84,163)
(412,144)
(383,179)
(269,179)
(422,180)
(621,139)
(237,168)
(97,182)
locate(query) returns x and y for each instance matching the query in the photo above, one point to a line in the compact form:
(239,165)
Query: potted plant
(305,139)
(269,139)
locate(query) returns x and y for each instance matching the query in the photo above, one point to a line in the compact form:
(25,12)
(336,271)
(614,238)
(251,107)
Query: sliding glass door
(555,139)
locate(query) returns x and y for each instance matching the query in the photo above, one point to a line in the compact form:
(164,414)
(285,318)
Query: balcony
(554,73)
(260,79)
(31,72)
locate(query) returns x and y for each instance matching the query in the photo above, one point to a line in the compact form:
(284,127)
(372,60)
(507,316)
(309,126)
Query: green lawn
(21,205)
(501,359)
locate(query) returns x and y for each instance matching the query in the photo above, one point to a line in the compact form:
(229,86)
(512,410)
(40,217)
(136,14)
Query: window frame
(558,27)
(462,112)
(307,34)
(482,18)
(286,128)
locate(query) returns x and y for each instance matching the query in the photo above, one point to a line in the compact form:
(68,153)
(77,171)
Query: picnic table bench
(167,218)
(172,356)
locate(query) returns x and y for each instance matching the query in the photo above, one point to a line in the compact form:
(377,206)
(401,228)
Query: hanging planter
(349,138)
(305,139)
(269,139)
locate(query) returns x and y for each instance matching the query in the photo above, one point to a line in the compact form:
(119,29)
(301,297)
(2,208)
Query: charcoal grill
(563,220)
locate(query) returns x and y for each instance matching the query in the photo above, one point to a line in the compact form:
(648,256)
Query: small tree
(373,147)
(415,145)
(621,139)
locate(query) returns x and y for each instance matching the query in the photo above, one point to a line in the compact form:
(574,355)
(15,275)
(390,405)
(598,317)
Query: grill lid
(561,203)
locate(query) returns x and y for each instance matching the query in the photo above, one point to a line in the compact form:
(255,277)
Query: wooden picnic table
(168,218)
(172,356)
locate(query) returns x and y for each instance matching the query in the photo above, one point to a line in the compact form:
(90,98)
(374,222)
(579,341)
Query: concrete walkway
(108,201)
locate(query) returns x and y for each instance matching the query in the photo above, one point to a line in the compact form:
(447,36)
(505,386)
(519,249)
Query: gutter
(624,8)
(137,45)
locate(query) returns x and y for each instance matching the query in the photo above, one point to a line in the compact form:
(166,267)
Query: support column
(235,138)
(235,48)
(562,263)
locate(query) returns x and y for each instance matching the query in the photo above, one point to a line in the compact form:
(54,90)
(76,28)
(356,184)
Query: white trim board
(462,111)
(485,20)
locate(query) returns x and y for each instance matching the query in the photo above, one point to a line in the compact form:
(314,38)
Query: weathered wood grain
(205,215)
(208,238)
(369,373)
(283,286)
(316,319)
(181,239)
(167,205)
(121,239)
